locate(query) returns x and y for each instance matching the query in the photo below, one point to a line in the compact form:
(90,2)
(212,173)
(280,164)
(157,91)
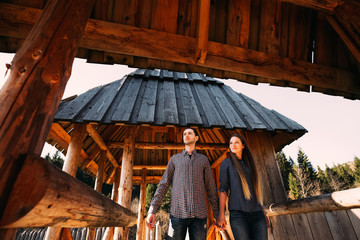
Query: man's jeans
(178,228)
(248,226)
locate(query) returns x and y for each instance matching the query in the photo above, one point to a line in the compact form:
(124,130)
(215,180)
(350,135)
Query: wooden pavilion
(306,44)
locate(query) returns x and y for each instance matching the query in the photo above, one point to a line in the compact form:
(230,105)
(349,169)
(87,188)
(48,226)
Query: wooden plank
(244,110)
(238,22)
(147,108)
(187,19)
(319,226)
(101,104)
(206,102)
(231,118)
(164,15)
(125,107)
(354,216)
(303,230)
(77,105)
(326,40)
(51,197)
(170,113)
(269,40)
(191,112)
(140,233)
(168,145)
(340,225)
(153,44)
(299,33)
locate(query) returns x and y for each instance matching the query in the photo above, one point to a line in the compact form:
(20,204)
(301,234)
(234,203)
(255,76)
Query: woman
(240,182)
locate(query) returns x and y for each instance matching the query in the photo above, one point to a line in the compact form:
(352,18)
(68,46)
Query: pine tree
(293,186)
(305,164)
(285,166)
(357,170)
(324,181)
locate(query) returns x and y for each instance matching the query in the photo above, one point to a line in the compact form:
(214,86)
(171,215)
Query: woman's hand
(150,221)
(221,222)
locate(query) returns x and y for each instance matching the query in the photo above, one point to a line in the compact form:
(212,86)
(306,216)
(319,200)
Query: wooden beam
(50,197)
(36,82)
(219,160)
(100,142)
(202,35)
(141,212)
(324,5)
(333,201)
(161,146)
(100,174)
(149,179)
(171,47)
(62,138)
(75,146)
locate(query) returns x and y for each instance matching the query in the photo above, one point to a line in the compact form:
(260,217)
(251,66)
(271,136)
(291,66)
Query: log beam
(324,5)
(153,44)
(219,160)
(328,202)
(202,35)
(140,233)
(100,142)
(62,138)
(50,197)
(173,146)
(35,84)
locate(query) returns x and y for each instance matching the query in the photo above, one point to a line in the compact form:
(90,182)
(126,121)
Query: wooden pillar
(98,187)
(140,234)
(70,166)
(125,188)
(35,84)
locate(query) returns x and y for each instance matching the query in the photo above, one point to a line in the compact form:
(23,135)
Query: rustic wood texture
(235,61)
(335,201)
(50,197)
(141,223)
(22,106)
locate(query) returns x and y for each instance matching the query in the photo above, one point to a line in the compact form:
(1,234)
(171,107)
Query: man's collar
(184,152)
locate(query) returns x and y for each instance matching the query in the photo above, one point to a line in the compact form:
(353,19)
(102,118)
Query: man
(189,174)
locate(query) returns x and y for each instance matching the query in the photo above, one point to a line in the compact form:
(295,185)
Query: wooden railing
(43,195)
(341,200)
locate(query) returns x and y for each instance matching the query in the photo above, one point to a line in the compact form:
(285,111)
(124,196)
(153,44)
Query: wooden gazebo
(309,45)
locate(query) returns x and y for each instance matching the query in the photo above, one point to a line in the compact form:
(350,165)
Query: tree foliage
(302,180)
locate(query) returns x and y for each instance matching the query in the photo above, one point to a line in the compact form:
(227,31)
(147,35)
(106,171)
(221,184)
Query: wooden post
(70,166)
(98,187)
(141,213)
(126,180)
(35,85)
(51,197)
(109,232)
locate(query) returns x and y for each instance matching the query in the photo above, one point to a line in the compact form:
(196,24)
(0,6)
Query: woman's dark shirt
(230,182)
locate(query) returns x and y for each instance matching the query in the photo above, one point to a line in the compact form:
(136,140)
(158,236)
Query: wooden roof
(307,44)
(162,103)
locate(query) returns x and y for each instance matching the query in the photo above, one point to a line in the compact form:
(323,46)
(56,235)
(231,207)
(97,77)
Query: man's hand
(221,222)
(150,221)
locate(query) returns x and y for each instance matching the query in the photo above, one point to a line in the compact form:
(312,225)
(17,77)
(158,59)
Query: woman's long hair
(249,159)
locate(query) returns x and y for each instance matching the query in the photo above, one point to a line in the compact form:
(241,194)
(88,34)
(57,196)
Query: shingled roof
(161,98)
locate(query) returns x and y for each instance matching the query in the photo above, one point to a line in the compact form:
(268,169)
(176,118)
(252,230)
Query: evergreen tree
(324,181)
(334,181)
(306,166)
(285,166)
(294,187)
(357,170)
(345,175)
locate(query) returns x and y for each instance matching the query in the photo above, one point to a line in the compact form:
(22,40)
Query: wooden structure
(306,44)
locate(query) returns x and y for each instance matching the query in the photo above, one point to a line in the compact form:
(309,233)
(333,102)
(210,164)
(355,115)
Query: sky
(333,123)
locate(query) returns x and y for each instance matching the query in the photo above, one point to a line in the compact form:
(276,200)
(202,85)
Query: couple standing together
(190,177)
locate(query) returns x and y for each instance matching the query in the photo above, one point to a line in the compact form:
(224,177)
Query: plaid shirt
(191,179)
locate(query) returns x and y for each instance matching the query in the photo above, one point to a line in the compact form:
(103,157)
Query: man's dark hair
(195,132)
